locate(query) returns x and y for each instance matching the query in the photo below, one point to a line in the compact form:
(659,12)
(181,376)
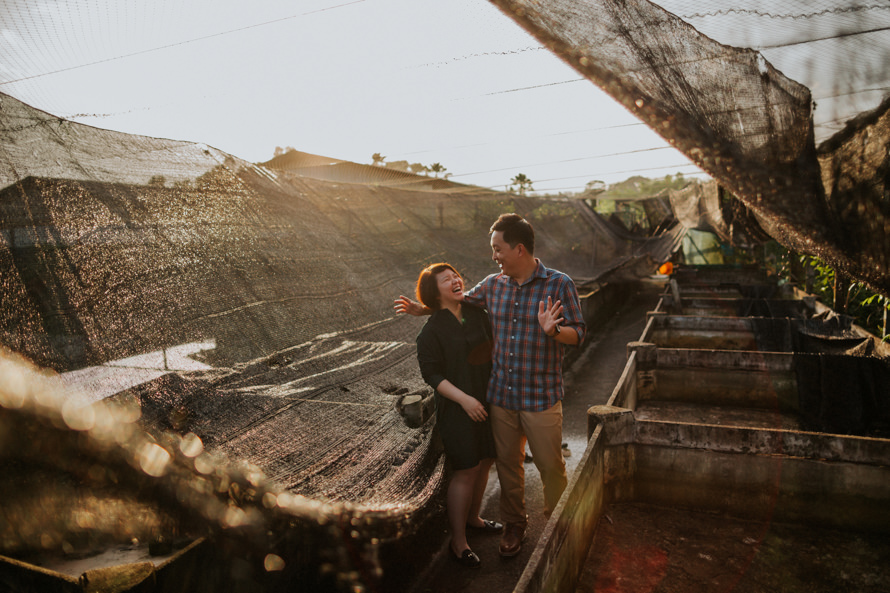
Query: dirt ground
(646,548)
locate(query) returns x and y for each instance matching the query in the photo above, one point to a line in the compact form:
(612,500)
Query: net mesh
(219,306)
(741,119)
(244,308)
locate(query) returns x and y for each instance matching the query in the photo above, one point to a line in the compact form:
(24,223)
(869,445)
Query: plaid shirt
(527,373)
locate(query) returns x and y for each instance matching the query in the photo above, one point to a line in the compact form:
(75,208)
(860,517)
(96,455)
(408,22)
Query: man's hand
(549,315)
(405,305)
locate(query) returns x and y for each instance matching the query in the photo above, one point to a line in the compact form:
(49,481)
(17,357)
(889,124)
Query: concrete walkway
(589,382)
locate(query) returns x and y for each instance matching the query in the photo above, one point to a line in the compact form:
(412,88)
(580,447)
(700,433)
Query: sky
(456,83)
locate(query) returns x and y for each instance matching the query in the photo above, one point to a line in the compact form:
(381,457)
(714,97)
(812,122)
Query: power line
(179,43)
(598,156)
(804,15)
(527,88)
(564,133)
(624,171)
(509,52)
(601,174)
(588,176)
(814,40)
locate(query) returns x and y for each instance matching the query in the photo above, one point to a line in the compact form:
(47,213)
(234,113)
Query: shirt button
(514,320)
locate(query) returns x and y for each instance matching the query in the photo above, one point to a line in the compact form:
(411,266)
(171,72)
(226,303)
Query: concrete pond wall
(716,431)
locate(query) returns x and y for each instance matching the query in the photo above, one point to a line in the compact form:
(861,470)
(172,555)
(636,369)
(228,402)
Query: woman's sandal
(467,558)
(487,525)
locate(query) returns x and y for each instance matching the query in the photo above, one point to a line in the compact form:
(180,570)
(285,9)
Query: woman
(454,354)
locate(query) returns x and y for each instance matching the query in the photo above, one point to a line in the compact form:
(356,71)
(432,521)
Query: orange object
(666,268)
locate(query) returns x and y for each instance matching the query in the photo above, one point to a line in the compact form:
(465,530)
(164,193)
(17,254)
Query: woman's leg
(473,517)
(459,500)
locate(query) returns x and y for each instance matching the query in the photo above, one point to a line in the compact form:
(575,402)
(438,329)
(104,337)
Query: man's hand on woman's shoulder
(405,305)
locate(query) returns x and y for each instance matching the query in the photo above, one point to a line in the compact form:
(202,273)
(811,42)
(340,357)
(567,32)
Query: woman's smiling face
(451,287)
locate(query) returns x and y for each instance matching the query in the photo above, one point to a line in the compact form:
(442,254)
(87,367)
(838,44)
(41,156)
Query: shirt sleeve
(430,357)
(478,295)
(571,308)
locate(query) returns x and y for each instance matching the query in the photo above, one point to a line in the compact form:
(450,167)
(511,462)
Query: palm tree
(437,168)
(377,158)
(522,183)
(594,188)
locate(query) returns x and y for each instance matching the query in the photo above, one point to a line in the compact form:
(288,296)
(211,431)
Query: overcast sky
(454,82)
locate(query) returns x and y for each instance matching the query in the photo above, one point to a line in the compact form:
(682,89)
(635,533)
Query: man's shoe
(511,542)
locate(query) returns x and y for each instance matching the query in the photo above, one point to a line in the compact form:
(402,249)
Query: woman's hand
(474,409)
(472,406)
(405,305)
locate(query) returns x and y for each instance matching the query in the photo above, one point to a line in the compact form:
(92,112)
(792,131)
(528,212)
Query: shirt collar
(540,272)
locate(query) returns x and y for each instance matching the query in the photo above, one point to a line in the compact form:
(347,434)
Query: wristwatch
(556,333)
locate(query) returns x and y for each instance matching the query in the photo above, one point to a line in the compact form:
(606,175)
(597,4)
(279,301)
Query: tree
(418,168)
(437,168)
(522,183)
(594,187)
(398,165)
(378,159)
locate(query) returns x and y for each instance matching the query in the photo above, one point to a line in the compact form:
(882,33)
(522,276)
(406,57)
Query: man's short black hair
(516,230)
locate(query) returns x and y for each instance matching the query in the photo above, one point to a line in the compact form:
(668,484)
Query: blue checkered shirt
(527,373)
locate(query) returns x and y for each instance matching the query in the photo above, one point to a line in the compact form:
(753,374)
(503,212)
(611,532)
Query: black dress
(460,353)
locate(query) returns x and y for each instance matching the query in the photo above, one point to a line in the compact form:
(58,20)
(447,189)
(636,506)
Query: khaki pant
(543,430)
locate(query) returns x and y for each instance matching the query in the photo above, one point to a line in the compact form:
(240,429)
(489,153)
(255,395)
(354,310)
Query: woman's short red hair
(428,288)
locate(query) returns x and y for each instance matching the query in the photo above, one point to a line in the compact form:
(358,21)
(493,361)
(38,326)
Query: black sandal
(467,558)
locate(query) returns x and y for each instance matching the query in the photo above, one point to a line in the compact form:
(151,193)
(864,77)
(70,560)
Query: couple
(489,405)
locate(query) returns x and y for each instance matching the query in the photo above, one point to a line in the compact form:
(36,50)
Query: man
(534,311)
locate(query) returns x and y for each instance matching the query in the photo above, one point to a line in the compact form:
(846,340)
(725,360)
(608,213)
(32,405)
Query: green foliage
(418,168)
(398,165)
(622,198)
(868,309)
(638,188)
(522,183)
(437,168)
(823,281)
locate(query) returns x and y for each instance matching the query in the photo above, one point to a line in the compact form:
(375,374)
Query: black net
(748,124)
(245,310)
(237,318)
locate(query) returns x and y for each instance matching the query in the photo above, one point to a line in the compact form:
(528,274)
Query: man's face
(506,257)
